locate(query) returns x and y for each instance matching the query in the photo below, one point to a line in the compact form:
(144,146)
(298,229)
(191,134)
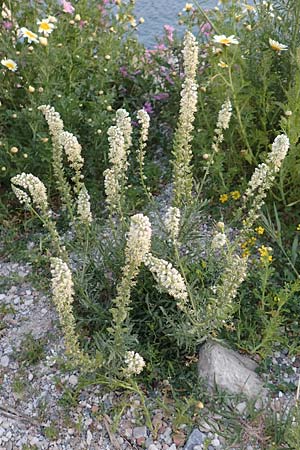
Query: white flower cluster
(224,117)
(123,122)
(218,241)
(134,363)
(167,277)
(183,179)
(119,138)
(172,222)
(190,55)
(138,240)
(233,276)
(84,207)
(56,125)
(63,293)
(73,150)
(263,177)
(144,121)
(35,188)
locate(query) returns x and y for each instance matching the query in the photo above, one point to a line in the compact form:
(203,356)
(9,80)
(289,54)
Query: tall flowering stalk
(144,121)
(263,177)
(63,298)
(65,142)
(115,178)
(182,168)
(172,223)
(137,247)
(56,128)
(31,192)
(223,121)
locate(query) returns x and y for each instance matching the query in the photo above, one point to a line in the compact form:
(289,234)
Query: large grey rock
(195,438)
(229,370)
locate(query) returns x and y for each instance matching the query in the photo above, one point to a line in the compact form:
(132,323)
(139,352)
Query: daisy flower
(222,39)
(45,26)
(31,37)
(277,46)
(9,64)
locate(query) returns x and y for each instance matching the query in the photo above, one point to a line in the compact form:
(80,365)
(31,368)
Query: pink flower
(67,7)
(206,29)
(148,108)
(7,25)
(169,30)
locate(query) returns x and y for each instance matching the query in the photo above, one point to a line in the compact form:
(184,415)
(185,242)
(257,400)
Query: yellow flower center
(10,65)
(225,41)
(45,26)
(30,35)
(276,47)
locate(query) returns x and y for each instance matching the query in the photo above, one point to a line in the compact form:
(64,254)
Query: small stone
(152,447)
(216,443)
(241,407)
(173,447)
(73,380)
(140,432)
(198,447)
(195,438)
(4,361)
(30,377)
(89,437)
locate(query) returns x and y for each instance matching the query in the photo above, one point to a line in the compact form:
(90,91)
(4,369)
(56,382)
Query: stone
(241,407)
(216,443)
(89,437)
(140,432)
(230,371)
(152,447)
(195,438)
(73,380)
(4,361)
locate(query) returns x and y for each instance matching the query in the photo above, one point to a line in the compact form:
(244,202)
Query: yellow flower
(298,227)
(249,8)
(265,255)
(14,150)
(224,198)
(277,46)
(222,39)
(45,26)
(246,253)
(9,64)
(31,89)
(31,37)
(188,7)
(235,195)
(260,230)
(222,64)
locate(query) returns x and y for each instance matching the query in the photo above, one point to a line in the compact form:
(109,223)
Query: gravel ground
(36,413)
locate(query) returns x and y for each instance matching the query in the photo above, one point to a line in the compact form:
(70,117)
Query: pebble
(4,361)
(73,380)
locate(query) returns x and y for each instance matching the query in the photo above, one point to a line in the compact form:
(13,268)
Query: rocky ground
(41,407)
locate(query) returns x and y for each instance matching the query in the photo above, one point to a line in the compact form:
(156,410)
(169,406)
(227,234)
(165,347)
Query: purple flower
(161,96)
(148,108)
(123,71)
(7,25)
(134,123)
(169,30)
(206,29)
(67,7)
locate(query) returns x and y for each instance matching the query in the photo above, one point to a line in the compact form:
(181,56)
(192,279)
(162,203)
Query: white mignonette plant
(182,150)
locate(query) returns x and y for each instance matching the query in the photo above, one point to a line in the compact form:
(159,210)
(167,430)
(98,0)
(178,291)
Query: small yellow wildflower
(235,195)
(9,64)
(141,20)
(14,150)
(246,253)
(188,7)
(251,241)
(298,227)
(223,198)
(31,89)
(260,230)
(222,64)
(265,254)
